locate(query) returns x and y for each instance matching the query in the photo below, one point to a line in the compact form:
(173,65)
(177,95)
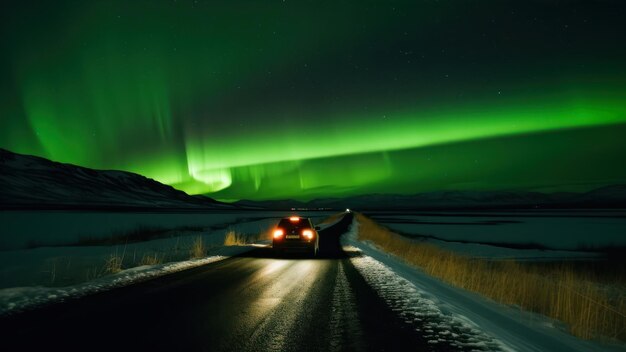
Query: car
(296,234)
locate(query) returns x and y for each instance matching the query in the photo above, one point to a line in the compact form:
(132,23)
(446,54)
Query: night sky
(290,99)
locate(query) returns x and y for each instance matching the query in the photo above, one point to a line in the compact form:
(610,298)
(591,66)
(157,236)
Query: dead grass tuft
(113,264)
(234,238)
(150,259)
(580,299)
(198,250)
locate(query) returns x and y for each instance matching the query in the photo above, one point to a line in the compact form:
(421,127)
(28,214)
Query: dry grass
(150,259)
(234,238)
(584,302)
(198,250)
(113,264)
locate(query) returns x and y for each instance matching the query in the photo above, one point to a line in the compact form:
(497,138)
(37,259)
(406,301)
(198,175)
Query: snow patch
(421,313)
(448,313)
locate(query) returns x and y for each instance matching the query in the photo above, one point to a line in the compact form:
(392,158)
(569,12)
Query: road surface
(253,302)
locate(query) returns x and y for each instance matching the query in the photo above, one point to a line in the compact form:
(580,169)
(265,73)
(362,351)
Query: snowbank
(16,299)
(444,310)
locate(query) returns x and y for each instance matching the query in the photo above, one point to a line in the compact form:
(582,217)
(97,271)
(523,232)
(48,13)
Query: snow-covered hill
(30,182)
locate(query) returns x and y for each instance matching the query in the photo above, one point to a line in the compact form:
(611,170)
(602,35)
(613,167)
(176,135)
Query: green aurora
(300,100)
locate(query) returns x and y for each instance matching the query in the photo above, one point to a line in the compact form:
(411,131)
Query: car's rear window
(288,224)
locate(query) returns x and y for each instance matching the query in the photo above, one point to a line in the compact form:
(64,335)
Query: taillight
(307,233)
(278,233)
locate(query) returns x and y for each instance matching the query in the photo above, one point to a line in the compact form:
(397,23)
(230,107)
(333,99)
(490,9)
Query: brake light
(294,219)
(278,233)
(308,234)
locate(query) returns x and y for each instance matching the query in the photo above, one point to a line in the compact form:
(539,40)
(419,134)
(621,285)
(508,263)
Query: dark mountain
(30,182)
(605,197)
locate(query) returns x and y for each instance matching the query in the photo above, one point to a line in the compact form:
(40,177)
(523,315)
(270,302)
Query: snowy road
(249,303)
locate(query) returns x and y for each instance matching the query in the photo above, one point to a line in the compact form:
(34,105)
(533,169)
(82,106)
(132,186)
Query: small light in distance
(278,233)
(347,210)
(294,219)
(308,234)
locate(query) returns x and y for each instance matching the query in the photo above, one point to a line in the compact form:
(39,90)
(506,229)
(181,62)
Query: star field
(287,99)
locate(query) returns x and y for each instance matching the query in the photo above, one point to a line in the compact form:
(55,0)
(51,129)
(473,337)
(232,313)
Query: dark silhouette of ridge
(31,182)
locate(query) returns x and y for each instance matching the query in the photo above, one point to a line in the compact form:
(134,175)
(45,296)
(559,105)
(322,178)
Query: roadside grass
(116,262)
(151,259)
(113,264)
(234,238)
(198,249)
(66,268)
(182,243)
(590,305)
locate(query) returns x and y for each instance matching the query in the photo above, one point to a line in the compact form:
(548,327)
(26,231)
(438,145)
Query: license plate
(292,237)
